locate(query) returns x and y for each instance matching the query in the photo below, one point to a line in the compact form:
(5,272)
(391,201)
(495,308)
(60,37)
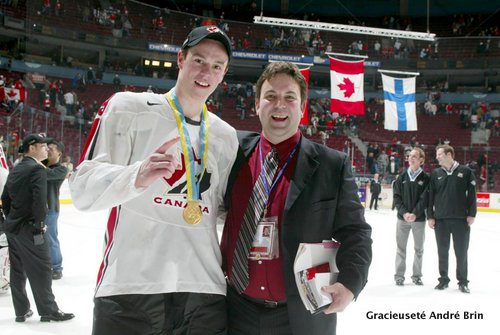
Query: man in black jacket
(311,198)
(56,173)
(375,189)
(451,211)
(410,199)
(24,201)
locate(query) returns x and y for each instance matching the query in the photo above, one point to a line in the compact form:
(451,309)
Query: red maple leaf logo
(347,86)
(11,93)
(179,173)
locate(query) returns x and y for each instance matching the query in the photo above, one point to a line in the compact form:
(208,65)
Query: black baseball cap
(30,140)
(200,33)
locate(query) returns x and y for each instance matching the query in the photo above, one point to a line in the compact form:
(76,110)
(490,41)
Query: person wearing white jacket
(161,162)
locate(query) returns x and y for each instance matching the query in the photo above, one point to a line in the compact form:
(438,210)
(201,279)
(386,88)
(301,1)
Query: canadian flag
(305,116)
(347,93)
(14,94)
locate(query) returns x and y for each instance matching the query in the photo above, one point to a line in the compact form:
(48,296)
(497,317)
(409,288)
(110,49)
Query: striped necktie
(253,214)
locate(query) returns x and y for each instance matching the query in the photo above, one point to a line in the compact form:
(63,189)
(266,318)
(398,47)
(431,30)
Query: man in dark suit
(24,201)
(310,197)
(375,189)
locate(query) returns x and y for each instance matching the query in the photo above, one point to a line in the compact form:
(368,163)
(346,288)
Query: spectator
(99,75)
(58,8)
(69,101)
(56,173)
(67,164)
(382,162)
(116,83)
(46,8)
(474,120)
(47,104)
(393,167)
(90,76)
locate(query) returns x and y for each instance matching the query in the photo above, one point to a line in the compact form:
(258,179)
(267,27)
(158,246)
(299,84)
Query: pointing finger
(167,145)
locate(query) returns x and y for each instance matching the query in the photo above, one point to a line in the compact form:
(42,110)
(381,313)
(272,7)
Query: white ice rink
(81,236)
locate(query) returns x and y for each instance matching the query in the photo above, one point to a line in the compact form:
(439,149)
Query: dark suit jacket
(375,187)
(24,196)
(322,203)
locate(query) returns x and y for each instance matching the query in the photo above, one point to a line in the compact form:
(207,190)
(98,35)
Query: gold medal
(192,212)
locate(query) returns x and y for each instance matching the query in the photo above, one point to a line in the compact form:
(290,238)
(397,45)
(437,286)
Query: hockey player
(161,162)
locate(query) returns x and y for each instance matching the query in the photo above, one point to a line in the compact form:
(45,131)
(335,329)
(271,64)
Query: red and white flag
(305,117)
(347,93)
(14,94)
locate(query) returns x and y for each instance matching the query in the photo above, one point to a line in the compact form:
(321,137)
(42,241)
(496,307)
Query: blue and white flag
(399,101)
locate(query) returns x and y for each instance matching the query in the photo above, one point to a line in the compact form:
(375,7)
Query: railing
(71,130)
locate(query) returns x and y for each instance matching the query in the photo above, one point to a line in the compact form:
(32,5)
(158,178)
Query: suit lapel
(248,143)
(307,164)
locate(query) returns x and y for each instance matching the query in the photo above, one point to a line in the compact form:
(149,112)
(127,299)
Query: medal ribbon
(193,188)
(279,174)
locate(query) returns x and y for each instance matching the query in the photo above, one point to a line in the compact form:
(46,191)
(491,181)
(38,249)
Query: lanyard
(193,188)
(280,172)
(413,175)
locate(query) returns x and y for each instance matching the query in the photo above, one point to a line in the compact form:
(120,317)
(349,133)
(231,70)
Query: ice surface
(81,236)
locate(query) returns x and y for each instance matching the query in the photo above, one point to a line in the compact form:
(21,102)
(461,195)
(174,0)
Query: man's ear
(180,59)
(257,106)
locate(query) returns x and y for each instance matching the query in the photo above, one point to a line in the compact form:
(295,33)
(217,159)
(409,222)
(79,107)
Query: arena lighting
(343,28)
(156,63)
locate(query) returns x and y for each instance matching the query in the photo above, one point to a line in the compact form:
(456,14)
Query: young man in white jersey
(161,162)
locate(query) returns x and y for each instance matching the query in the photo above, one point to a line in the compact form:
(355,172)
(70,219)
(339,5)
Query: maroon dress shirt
(267,280)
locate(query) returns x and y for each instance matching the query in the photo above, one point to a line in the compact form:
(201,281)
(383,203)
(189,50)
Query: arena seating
(177,24)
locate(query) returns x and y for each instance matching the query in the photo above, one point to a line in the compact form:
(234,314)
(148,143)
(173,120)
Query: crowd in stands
(472,25)
(12,93)
(63,97)
(153,23)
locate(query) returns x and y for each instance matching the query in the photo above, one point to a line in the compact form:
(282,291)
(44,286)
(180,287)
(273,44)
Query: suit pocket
(324,204)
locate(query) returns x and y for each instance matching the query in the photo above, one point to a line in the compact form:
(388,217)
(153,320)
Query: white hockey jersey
(149,248)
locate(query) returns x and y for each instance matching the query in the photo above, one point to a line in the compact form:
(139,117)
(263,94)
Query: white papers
(315,267)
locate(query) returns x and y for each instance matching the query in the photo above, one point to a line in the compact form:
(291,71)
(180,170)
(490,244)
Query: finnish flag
(399,102)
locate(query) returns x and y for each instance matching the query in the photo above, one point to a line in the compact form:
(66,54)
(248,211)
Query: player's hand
(470,220)
(341,297)
(411,217)
(431,223)
(158,164)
